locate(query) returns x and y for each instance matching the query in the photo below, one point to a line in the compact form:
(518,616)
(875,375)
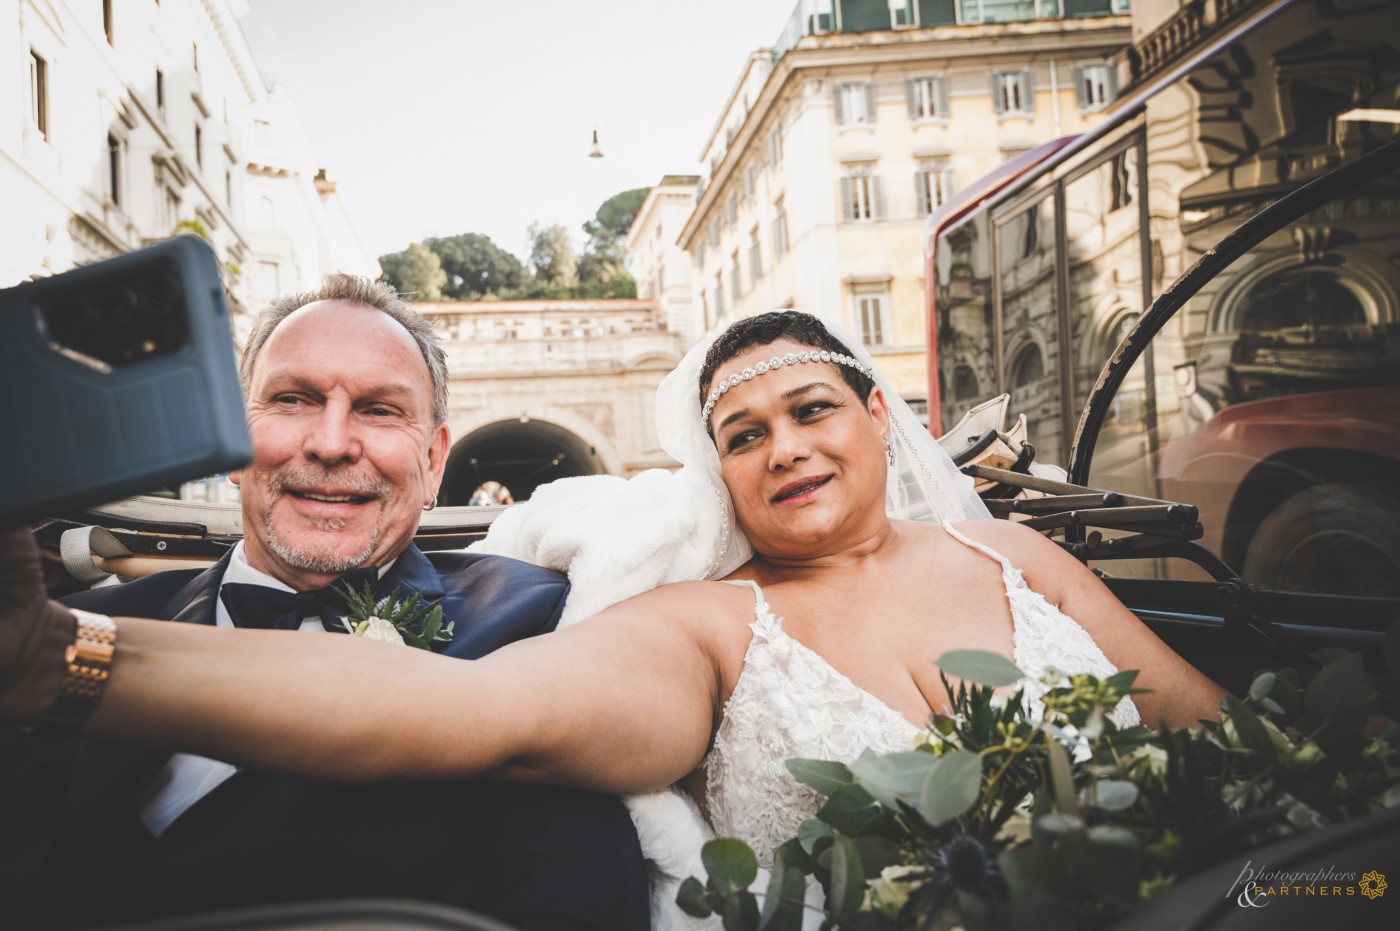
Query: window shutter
(1111,83)
(949,184)
(911,90)
(998,99)
(921,198)
(940,86)
(870,102)
(877,201)
(1080,96)
(1027,91)
(836,104)
(847,210)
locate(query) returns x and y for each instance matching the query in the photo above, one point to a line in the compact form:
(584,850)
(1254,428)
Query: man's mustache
(294,479)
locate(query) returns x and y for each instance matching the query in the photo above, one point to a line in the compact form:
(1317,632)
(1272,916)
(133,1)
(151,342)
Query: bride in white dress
(818,639)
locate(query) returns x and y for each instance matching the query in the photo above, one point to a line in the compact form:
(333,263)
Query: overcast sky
(449,116)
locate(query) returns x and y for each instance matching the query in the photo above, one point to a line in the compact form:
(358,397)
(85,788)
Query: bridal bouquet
(1005,819)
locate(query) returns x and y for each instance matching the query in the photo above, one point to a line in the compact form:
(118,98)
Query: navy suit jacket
(539,857)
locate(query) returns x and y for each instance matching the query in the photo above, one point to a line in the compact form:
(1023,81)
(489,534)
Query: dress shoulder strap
(760,606)
(1009,573)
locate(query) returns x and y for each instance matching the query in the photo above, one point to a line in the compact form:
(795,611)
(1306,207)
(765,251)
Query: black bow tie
(272,609)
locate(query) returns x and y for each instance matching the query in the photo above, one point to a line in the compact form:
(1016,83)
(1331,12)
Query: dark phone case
(167,410)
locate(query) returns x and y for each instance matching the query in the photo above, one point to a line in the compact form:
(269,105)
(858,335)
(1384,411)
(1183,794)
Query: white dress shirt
(188,778)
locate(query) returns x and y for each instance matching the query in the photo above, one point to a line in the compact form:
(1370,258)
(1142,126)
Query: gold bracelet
(89,661)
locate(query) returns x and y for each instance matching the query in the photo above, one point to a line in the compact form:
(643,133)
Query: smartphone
(118,378)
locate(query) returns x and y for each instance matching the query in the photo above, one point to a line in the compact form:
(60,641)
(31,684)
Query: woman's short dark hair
(760,330)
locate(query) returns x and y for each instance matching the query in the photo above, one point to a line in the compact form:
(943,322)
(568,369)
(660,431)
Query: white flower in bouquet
(376,628)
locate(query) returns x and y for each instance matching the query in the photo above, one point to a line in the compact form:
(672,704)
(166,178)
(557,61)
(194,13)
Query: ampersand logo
(1258,900)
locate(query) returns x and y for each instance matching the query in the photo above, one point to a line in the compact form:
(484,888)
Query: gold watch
(89,662)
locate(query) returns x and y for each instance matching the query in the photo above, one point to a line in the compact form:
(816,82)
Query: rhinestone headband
(778,362)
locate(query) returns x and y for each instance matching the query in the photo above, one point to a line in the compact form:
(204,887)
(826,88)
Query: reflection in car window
(1276,396)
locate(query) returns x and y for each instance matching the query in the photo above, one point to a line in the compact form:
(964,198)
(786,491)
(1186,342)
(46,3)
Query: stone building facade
(542,390)
(122,124)
(836,145)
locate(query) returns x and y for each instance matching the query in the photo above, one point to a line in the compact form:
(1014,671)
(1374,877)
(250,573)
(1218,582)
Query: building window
(269,279)
(860,194)
(160,92)
(755,259)
(751,181)
(700,255)
(731,209)
(194,57)
(780,231)
(928,98)
(872,314)
(736,283)
(114,168)
(228,187)
(775,146)
(169,206)
(39,93)
(854,103)
(107,20)
(1013,92)
(933,185)
(719,296)
(198,145)
(262,133)
(1027,368)
(267,213)
(714,233)
(1095,85)
(1008,11)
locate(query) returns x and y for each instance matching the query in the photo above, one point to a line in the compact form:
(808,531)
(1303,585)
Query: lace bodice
(789,702)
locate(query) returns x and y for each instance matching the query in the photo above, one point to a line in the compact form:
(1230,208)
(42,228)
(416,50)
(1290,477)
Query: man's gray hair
(359,290)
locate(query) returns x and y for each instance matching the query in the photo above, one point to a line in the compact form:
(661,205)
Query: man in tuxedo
(346,391)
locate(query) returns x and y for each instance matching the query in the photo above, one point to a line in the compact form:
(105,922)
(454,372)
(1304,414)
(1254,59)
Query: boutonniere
(394,619)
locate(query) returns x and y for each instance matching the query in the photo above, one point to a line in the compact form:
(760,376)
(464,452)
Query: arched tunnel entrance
(519,455)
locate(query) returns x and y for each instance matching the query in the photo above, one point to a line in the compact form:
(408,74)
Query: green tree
(476,266)
(552,257)
(603,256)
(416,272)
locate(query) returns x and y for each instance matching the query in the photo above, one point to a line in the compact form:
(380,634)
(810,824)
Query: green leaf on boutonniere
(417,622)
(730,863)
(952,786)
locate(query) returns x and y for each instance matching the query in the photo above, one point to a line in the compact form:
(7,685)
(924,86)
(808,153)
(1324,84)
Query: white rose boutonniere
(394,619)
(376,628)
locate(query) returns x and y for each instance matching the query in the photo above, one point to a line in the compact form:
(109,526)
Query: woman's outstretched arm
(623,703)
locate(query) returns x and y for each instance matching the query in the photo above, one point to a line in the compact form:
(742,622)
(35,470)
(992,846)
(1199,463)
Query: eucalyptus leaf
(952,786)
(782,905)
(849,809)
(1339,695)
(1058,822)
(1262,685)
(980,666)
(691,898)
(1251,730)
(730,863)
(810,832)
(847,879)
(895,777)
(1061,779)
(1111,794)
(740,912)
(877,852)
(823,775)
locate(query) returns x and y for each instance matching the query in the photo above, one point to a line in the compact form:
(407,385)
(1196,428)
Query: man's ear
(439,444)
(236,476)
